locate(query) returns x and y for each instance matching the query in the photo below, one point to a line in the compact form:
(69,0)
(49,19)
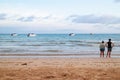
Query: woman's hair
(102,41)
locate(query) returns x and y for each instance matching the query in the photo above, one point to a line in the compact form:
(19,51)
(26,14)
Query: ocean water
(56,44)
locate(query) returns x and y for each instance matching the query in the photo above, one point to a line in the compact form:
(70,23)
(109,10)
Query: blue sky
(60,16)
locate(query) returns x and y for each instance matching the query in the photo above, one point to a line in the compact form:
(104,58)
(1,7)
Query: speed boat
(71,34)
(14,34)
(31,35)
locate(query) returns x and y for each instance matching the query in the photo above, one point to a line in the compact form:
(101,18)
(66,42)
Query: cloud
(117,0)
(47,17)
(32,18)
(2,16)
(93,19)
(26,19)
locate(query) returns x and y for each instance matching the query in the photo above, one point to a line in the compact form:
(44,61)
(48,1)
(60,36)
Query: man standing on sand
(109,46)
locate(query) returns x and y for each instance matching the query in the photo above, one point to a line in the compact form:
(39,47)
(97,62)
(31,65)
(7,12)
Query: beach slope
(59,68)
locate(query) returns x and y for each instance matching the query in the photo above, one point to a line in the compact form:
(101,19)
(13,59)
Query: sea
(57,44)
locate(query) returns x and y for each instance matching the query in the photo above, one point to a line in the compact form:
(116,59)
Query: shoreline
(55,56)
(50,54)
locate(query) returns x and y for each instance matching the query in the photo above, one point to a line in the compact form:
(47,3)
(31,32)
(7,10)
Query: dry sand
(59,68)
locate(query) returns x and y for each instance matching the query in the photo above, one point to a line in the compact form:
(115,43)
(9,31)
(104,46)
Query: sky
(59,16)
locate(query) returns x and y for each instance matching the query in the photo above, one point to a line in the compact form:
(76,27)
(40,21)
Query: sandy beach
(59,68)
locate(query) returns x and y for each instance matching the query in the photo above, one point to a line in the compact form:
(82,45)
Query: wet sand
(59,68)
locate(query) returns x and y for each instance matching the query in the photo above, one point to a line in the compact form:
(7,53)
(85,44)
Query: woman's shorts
(102,49)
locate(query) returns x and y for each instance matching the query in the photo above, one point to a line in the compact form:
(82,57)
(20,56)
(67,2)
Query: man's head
(109,40)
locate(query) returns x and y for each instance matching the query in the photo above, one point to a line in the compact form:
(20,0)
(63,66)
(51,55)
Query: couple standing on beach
(109,46)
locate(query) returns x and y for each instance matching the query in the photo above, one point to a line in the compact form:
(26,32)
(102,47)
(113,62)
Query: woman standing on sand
(102,49)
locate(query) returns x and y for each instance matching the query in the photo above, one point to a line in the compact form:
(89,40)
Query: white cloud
(29,18)
(26,19)
(59,24)
(117,0)
(93,19)
(3,16)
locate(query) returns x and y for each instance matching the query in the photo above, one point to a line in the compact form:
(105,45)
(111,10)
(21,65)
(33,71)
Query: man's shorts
(109,49)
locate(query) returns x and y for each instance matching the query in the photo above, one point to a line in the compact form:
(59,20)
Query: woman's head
(102,41)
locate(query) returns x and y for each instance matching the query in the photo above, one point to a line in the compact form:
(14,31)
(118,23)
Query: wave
(16,41)
(52,51)
(84,41)
(116,45)
(75,41)
(84,44)
(30,45)
(12,50)
(93,42)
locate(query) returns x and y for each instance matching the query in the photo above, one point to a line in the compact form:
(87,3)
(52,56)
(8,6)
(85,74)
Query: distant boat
(31,35)
(71,34)
(91,33)
(14,34)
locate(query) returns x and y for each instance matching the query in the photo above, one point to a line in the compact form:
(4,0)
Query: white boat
(14,34)
(31,35)
(71,34)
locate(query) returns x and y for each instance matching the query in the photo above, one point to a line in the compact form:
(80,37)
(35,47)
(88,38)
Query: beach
(54,68)
(59,40)
(58,57)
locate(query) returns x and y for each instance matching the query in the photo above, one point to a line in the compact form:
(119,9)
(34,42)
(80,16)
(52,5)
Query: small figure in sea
(109,46)
(102,49)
